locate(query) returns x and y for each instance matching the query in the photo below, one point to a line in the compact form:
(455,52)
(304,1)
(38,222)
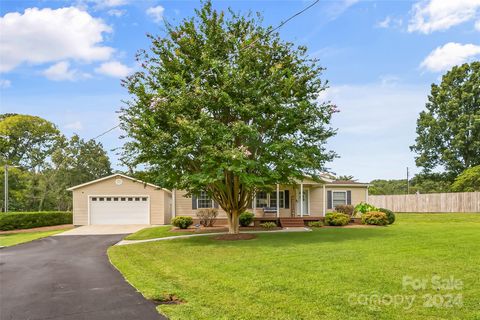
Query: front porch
(304,199)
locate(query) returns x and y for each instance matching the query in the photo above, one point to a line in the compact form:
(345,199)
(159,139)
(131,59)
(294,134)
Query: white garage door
(119,210)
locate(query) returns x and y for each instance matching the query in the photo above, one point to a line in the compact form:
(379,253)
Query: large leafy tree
(26,140)
(76,161)
(449,130)
(222,104)
(49,163)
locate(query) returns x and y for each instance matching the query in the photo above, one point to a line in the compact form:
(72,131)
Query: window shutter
(194,202)
(349,197)
(215,204)
(329,200)
(287,198)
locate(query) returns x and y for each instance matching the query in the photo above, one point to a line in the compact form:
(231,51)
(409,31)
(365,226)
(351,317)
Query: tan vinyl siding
(317,201)
(358,194)
(184,206)
(108,187)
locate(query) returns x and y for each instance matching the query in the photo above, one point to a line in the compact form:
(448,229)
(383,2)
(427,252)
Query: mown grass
(155,232)
(11,239)
(316,275)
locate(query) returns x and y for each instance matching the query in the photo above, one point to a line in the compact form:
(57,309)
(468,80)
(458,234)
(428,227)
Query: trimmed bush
(348,209)
(246,218)
(268,225)
(207,217)
(26,220)
(182,222)
(389,213)
(315,224)
(375,218)
(336,219)
(364,207)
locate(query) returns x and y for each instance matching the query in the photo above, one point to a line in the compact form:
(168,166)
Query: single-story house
(119,199)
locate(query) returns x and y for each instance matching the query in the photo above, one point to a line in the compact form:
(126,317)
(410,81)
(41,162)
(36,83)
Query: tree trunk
(233,223)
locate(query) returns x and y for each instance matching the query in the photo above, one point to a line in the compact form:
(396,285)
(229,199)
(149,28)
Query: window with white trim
(273,199)
(262,199)
(204,201)
(339,198)
(265,199)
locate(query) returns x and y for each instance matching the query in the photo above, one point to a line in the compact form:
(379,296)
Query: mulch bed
(221,229)
(234,237)
(49,228)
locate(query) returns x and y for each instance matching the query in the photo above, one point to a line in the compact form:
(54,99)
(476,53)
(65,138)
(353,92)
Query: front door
(306,209)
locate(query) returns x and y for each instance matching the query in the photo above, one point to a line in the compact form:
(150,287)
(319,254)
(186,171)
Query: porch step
(291,222)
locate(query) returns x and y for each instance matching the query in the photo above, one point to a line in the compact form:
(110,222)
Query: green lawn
(11,239)
(324,274)
(155,232)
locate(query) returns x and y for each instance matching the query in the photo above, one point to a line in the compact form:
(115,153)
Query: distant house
(119,199)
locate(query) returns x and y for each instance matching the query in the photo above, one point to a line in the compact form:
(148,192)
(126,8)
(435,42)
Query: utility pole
(408,183)
(5,187)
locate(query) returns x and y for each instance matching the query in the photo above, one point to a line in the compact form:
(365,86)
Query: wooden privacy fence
(432,202)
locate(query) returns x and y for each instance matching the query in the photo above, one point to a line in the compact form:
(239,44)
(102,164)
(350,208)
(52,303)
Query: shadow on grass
(292,238)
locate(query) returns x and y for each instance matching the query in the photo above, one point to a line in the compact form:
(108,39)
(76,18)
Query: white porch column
(301,199)
(254,204)
(324,200)
(174,204)
(278,200)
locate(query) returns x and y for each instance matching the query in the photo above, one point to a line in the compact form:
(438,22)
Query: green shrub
(315,224)
(389,213)
(348,209)
(246,218)
(375,218)
(182,222)
(207,217)
(268,225)
(336,219)
(364,207)
(26,220)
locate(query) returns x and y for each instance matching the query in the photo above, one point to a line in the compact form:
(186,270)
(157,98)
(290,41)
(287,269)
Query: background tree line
(43,163)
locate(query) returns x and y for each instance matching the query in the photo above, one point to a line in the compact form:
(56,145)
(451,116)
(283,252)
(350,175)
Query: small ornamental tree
(223,105)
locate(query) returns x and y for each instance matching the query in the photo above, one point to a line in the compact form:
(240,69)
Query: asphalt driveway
(67,277)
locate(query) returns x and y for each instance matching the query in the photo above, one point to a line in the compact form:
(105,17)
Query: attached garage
(119,199)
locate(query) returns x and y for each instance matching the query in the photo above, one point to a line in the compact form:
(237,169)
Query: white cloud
(4,83)
(61,71)
(44,35)
(76,125)
(449,55)
(385,23)
(156,13)
(477,25)
(116,12)
(114,69)
(389,22)
(437,15)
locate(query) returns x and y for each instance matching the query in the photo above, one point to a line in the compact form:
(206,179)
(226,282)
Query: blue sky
(63,61)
